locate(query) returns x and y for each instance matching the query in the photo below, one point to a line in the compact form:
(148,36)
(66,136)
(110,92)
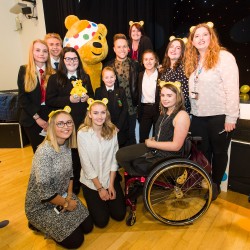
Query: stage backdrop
(162,19)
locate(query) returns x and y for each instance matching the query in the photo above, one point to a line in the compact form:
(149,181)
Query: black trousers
(214,144)
(132,125)
(76,170)
(100,210)
(147,120)
(33,134)
(76,239)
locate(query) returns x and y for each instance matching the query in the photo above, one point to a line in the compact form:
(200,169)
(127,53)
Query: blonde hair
(53,35)
(192,55)
(108,128)
(30,79)
(51,133)
(119,36)
(108,68)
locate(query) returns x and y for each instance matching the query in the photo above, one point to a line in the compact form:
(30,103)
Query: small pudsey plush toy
(78,89)
(89,39)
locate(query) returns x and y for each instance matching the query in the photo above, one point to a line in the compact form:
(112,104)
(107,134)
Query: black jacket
(133,78)
(29,102)
(57,97)
(118,109)
(157,97)
(145,43)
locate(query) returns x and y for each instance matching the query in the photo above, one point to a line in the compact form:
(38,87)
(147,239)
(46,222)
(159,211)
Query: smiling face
(71,62)
(175,50)
(135,33)
(40,54)
(168,98)
(55,47)
(108,77)
(63,133)
(121,49)
(98,114)
(149,61)
(201,39)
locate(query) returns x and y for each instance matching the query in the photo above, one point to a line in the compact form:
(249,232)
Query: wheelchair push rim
(177,192)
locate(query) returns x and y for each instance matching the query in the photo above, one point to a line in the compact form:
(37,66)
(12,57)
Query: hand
(43,124)
(74,99)
(148,142)
(229,127)
(104,195)
(84,98)
(112,192)
(72,205)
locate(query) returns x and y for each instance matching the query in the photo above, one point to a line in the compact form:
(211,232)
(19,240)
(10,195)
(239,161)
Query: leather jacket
(133,78)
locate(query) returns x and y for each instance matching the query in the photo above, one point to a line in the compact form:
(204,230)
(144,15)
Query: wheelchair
(176,191)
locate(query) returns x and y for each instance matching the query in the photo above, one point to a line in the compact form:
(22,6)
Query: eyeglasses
(61,124)
(69,59)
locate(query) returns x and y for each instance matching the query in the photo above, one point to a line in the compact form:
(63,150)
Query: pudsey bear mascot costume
(89,39)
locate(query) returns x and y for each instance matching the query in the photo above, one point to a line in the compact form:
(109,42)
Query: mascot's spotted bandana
(81,38)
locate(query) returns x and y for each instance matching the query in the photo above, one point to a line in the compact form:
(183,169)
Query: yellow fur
(91,55)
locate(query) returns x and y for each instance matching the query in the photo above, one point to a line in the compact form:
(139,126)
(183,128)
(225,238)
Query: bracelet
(99,189)
(36,116)
(66,204)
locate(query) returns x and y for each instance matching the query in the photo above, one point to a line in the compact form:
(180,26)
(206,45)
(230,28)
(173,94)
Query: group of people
(80,141)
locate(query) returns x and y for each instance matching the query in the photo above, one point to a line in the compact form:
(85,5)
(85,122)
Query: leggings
(76,239)
(100,210)
(214,143)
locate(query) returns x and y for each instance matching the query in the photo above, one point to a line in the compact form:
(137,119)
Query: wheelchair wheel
(177,192)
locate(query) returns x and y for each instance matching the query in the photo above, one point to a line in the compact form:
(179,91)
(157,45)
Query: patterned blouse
(50,175)
(122,69)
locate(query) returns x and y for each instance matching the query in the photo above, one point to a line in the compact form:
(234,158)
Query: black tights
(214,144)
(76,239)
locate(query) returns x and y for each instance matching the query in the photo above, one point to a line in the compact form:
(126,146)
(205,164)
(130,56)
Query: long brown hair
(166,63)
(30,79)
(180,103)
(191,56)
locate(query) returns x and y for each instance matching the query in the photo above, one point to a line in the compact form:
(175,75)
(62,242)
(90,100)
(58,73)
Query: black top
(164,131)
(118,109)
(144,44)
(57,97)
(29,102)
(178,74)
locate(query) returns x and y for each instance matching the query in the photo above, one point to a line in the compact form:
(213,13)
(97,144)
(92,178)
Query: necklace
(165,117)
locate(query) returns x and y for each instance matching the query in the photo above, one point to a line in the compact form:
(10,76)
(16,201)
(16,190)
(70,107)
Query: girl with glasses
(58,95)
(50,205)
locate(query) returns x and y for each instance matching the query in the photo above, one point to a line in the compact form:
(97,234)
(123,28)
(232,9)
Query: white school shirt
(149,87)
(97,158)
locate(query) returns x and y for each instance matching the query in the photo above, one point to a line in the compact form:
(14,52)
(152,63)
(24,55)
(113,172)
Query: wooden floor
(226,225)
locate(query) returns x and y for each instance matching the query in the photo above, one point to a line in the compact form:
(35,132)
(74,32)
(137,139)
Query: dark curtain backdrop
(162,18)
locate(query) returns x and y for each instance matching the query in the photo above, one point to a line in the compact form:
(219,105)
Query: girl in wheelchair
(171,131)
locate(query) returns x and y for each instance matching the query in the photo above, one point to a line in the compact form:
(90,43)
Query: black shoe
(215,191)
(32,227)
